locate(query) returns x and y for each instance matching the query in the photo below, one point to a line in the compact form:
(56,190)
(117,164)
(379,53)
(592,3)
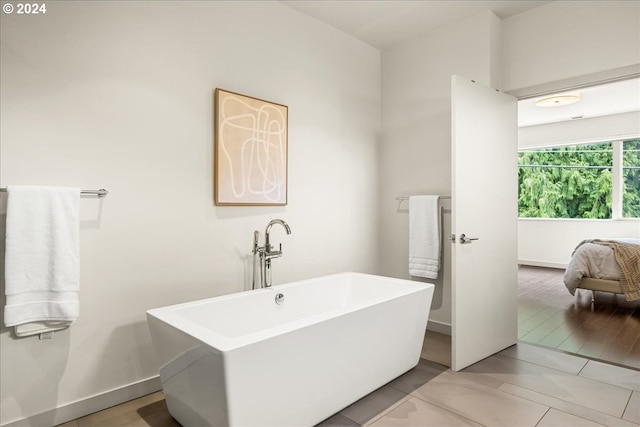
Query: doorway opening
(548,315)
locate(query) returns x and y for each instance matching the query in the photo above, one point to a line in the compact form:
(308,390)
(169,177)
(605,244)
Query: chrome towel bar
(100,193)
(407,197)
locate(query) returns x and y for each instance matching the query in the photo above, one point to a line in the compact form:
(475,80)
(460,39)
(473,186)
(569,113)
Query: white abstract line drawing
(252,150)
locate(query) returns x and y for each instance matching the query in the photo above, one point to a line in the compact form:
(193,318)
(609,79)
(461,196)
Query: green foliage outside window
(576,181)
(631,179)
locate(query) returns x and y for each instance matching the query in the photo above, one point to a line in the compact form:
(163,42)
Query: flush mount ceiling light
(558,99)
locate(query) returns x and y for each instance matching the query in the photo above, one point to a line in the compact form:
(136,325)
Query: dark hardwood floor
(550,316)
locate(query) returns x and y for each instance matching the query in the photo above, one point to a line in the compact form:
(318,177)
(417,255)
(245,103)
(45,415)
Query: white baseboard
(91,404)
(542,264)
(442,328)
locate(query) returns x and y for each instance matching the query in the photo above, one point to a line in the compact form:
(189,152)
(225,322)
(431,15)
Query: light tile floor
(524,385)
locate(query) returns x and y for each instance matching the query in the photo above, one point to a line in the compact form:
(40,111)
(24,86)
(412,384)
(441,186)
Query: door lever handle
(464,239)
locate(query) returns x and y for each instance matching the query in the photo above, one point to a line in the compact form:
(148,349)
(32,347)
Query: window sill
(581,219)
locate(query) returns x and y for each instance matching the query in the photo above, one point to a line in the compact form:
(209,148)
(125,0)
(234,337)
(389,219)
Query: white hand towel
(424,236)
(42,268)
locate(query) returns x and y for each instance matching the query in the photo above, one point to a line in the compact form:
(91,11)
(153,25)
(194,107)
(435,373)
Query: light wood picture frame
(250,150)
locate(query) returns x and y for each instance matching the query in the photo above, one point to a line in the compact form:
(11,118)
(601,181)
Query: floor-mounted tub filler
(289,355)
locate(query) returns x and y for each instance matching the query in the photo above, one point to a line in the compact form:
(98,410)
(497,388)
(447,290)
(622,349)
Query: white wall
(118,95)
(550,242)
(594,129)
(562,41)
(566,39)
(416,139)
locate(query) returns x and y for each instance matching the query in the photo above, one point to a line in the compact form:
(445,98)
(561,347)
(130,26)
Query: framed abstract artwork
(250,150)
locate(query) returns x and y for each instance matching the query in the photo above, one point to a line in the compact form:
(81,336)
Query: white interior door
(484,207)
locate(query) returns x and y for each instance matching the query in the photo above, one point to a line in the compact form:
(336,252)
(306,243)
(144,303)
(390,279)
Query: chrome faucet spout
(267,244)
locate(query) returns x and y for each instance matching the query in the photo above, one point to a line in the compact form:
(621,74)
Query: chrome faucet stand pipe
(256,235)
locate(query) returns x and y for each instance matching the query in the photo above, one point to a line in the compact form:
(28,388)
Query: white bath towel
(42,268)
(424,236)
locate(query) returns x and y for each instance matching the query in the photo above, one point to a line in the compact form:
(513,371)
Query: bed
(607,265)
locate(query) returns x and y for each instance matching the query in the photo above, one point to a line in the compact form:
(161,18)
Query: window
(631,179)
(578,181)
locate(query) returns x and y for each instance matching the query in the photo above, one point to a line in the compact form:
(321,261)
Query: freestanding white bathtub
(245,360)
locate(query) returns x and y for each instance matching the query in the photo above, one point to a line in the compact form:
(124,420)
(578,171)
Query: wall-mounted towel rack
(402,198)
(100,193)
(407,197)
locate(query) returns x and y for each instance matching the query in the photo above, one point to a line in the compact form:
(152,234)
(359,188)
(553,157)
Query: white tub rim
(223,343)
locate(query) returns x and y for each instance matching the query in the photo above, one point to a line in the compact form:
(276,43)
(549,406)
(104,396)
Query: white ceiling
(383,23)
(602,100)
